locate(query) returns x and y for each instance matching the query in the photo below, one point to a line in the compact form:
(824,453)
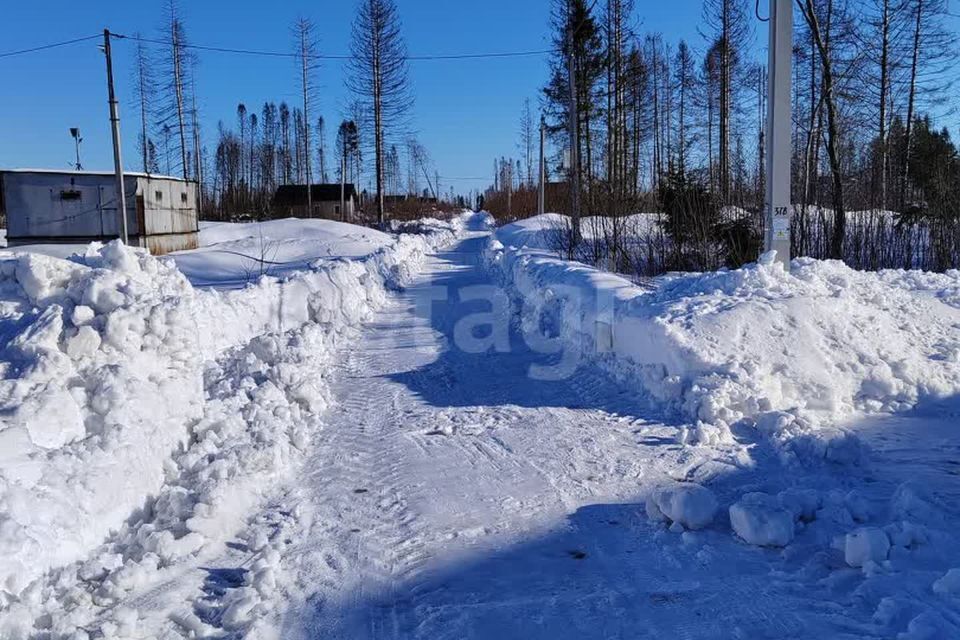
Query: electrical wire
(756,10)
(288,54)
(53,45)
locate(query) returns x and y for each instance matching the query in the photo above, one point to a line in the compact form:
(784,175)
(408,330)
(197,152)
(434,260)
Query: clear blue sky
(466,113)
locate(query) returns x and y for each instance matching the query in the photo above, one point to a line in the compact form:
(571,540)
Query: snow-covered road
(452,495)
(436,458)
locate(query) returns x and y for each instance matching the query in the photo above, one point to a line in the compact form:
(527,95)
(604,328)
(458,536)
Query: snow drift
(791,353)
(103,358)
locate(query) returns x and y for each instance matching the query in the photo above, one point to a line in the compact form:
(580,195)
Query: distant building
(66,207)
(290,200)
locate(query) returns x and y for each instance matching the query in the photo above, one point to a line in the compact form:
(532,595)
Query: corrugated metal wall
(80,207)
(54,205)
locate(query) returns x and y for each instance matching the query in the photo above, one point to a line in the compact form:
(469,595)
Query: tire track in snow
(413,470)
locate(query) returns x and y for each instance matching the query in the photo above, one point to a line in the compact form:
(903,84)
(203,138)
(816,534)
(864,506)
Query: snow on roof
(71,172)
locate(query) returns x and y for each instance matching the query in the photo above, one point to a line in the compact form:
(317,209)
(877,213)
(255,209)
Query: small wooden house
(290,201)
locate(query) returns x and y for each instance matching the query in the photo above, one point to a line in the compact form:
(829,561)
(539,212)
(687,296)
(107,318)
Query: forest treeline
(676,129)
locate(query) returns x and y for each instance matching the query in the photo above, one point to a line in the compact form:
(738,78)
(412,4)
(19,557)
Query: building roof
(292,195)
(71,172)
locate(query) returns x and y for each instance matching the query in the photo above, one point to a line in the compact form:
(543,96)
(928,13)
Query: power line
(283,54)
(53,45)
(289,54)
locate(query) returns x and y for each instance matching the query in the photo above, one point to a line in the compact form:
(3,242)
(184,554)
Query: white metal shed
(49,206)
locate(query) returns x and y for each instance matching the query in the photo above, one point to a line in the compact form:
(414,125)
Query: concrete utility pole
(574,137)
(778,208)
(198,162)
(115,126)
(541,192)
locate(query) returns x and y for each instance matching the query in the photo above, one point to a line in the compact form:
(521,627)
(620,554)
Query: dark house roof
(295,195)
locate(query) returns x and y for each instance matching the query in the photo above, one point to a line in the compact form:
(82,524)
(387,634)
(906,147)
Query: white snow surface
(104,361)
(234,254)
(424,436)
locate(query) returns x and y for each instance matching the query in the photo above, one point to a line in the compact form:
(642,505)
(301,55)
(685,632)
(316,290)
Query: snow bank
(102,373)
(103,359)
(232,255)
(791,353)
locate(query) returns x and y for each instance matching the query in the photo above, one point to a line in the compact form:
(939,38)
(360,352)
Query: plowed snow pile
(791,353)
(109,428)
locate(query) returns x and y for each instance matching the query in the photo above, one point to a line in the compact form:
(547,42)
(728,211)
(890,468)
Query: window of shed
(183,197)
(71,194)
(158,196)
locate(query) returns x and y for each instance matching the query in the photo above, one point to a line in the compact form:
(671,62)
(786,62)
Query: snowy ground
(436,444)
(232,255)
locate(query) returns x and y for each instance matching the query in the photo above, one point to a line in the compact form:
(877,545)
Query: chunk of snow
(82,315)
(866,545)
(929,625)
(802,503)
(84,343)
(759,520)
(51,417)
(690,505)
(949,584)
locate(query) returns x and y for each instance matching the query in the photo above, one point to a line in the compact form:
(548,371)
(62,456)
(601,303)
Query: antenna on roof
(75,133)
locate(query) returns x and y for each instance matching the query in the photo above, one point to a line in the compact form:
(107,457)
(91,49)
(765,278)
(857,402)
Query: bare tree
(728,26)
(176,66)
(685,84)
(286,161)
(932,48)
(322,149)
(528,137)
(144,81)
(379,77)
(821,38)
(307,51)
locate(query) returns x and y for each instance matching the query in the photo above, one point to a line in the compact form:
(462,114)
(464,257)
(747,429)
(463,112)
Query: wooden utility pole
(115,128)
(778,137)
(197,161)
(541,191)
